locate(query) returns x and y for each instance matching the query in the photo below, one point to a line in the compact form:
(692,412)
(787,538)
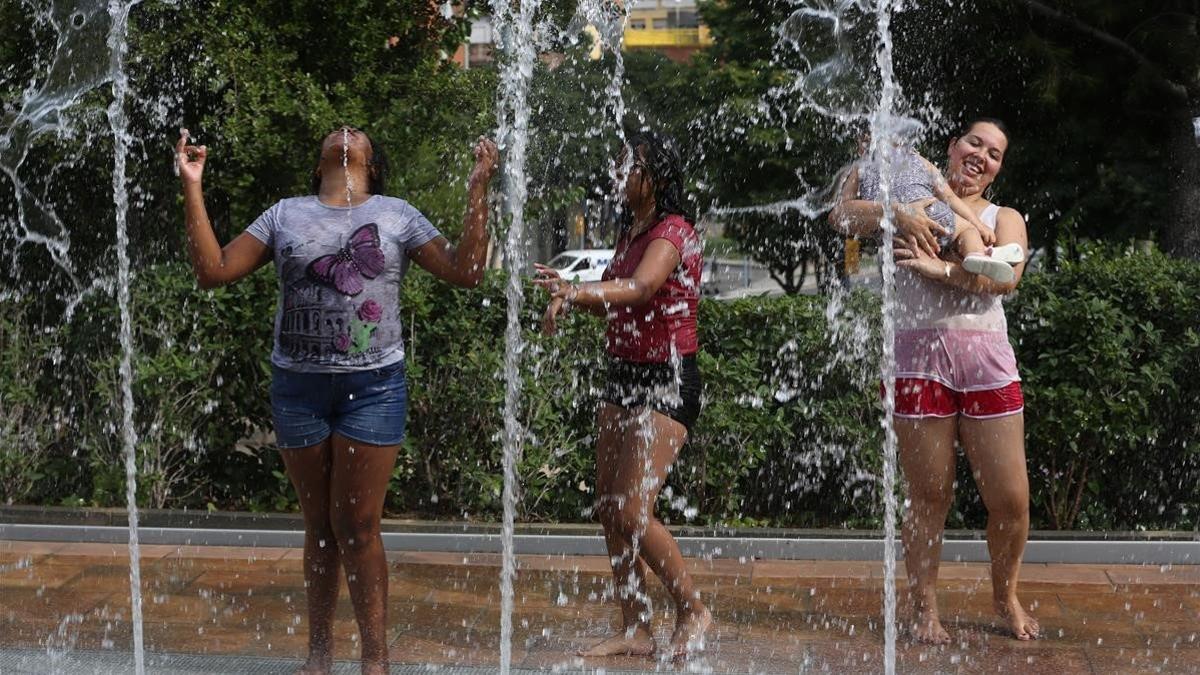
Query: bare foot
(1021,623)
(927,627)
(639,642)
(690,628)
(317,665)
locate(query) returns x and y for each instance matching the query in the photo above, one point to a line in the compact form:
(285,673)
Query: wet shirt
(928,303)
(339,280)
(950,335)
(667,323)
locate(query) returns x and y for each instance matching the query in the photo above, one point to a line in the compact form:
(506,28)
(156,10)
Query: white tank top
(925,303)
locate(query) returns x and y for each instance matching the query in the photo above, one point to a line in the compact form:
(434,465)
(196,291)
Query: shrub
(29,428)
(1110,353)
(789,435)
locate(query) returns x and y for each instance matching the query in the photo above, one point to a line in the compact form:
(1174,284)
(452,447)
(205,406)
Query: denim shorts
(368,406)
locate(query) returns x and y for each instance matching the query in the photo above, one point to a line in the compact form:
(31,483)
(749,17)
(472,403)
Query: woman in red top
(649,294)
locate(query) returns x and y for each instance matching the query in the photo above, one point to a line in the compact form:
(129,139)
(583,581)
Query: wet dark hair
(994,121)
(377,170)
(660,155)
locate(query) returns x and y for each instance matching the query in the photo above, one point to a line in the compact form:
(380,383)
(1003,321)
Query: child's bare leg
(967,240)
(977,257)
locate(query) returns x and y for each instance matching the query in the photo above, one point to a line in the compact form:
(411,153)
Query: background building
(671,27)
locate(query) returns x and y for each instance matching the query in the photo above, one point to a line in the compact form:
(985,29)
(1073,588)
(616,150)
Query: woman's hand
(554,310)
(560,302)
(487,158)
(189,159)
(547,278)
(915,229)
(922,262)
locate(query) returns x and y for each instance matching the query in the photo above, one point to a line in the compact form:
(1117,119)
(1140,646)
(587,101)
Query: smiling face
(976,157)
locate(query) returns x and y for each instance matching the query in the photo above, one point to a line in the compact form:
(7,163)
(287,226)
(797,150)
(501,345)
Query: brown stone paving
(772,616)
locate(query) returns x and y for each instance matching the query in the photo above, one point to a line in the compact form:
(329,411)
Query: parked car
(582,264)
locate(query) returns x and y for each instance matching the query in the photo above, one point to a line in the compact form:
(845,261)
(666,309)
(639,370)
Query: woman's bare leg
(926,453)
(996,450)
(649,448)
(636,637)
(309,470)
(359,486)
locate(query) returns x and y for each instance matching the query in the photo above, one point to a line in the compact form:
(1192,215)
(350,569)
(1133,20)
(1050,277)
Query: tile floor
(773,616)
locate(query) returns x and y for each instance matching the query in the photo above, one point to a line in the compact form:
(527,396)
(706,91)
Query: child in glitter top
(913,178)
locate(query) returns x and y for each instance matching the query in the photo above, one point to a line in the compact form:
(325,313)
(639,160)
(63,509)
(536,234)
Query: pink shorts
(943,372)
(916,399)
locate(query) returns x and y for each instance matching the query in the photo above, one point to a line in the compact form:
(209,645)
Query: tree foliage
(260,83)
(1099,95)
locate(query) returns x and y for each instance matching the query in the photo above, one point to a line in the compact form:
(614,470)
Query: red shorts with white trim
(917,398)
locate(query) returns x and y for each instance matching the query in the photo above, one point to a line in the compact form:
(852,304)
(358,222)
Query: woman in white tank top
(956,382)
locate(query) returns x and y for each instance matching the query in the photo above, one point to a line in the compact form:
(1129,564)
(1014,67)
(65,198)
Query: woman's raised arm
(658,262)
(213,265)
(463,265)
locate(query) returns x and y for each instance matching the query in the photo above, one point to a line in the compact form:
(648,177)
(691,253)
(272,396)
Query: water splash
(517,44)
(883,129)
(610,21)
(118,45)
(62,641)
(832,78)
(81,29)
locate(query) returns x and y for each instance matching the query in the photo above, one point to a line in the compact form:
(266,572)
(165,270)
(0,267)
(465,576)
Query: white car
(582,264)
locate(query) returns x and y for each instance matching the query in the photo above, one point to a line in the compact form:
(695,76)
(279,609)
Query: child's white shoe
(1012,254)
(996,270)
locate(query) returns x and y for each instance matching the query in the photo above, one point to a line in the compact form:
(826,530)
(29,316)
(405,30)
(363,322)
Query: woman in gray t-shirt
(338,393)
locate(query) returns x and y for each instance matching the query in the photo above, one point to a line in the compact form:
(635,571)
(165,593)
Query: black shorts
(658,386)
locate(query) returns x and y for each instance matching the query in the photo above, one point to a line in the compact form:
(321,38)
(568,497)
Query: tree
(757,157)
(260,83)
(1100,96)
(1160,45)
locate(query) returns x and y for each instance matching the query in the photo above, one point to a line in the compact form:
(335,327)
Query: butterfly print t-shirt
(339,280)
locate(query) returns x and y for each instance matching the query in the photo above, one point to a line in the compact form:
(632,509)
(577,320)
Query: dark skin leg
(360,475)
(650,443)
(341,494)
(309,470)
(636,638)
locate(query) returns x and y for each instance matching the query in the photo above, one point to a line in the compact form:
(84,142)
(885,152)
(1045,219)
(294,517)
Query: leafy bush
(29,427)
(1110,352)
(789,436)
(200,384)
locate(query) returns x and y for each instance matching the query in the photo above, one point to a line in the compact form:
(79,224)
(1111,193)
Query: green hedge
(790,432)
(1109,348)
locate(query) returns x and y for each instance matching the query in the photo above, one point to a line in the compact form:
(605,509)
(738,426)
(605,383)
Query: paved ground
(242,610)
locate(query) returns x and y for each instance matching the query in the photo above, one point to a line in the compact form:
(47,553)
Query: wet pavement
(246,606)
